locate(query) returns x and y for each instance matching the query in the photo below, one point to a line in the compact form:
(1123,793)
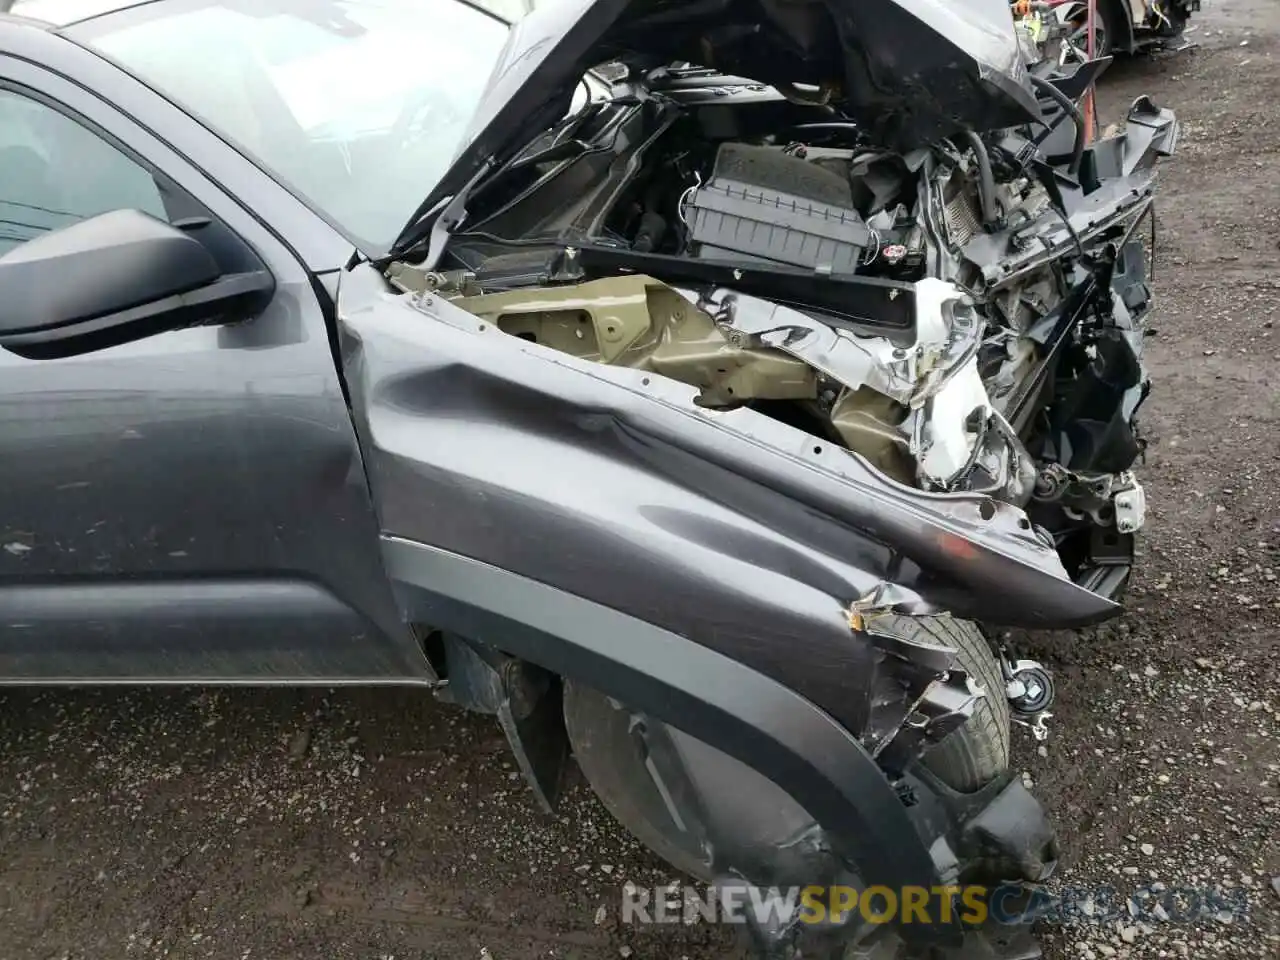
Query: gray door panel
(193,505)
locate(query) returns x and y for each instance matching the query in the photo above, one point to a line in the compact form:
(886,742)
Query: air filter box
(762,205)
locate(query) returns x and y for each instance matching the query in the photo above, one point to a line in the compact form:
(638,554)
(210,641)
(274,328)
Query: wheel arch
(733,708)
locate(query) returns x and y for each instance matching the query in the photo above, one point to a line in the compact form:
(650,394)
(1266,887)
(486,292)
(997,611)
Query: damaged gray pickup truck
(685,395)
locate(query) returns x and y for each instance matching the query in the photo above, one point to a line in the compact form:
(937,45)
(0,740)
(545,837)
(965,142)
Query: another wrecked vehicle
(690,421)
(1061,28)
(1123,26)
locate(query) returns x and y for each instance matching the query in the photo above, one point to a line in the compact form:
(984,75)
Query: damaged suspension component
(1106,499)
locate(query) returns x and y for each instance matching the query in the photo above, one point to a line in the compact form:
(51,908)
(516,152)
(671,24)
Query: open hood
(910,71)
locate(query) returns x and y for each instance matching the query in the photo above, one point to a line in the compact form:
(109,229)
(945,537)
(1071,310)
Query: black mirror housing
(111,279)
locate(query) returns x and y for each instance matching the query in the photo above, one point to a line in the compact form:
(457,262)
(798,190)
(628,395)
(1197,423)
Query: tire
(978,752)
(1104,31)
(1176,27)
(601,741)
(598,729)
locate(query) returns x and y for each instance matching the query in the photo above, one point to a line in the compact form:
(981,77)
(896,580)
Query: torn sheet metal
(957,439)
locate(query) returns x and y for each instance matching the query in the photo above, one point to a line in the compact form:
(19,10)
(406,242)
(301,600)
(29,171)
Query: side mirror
(112,279)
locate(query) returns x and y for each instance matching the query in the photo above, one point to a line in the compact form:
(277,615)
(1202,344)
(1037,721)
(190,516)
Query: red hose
(1089,49)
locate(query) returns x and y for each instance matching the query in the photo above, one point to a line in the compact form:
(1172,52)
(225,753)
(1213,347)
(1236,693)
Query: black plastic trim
(874,301)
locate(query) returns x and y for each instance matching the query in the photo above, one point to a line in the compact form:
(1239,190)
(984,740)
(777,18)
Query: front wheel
(1074,46)
(744,803)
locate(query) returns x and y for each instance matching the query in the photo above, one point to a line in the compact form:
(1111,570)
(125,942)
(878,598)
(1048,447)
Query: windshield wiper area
(556,153)
(437,220)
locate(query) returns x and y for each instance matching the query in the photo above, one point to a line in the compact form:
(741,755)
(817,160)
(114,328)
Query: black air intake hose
(991,216)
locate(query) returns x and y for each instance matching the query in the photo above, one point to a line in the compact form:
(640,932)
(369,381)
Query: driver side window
(55,171)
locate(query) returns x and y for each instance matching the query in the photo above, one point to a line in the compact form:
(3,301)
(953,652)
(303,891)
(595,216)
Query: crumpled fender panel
(729,529)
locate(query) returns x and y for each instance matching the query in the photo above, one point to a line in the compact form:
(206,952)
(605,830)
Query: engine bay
(966,317)
(712,184)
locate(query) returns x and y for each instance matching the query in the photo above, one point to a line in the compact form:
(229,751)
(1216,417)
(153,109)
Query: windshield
(358,106)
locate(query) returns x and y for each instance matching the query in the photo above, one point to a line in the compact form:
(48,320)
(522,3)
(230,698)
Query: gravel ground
(368,824)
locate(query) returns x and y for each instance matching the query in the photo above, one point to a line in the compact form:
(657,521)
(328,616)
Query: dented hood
(910,71)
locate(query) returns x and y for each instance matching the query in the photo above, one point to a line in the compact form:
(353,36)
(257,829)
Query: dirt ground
(368,824)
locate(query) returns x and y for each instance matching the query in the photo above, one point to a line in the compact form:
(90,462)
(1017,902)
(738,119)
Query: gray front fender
(729,529)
